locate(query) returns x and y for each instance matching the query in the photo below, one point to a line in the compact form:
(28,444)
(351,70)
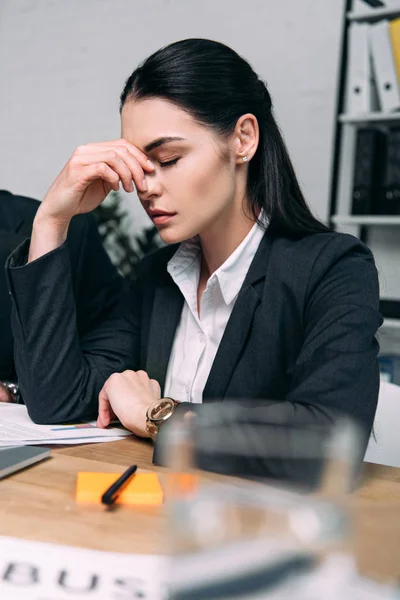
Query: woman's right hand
(87,178)
(90,174)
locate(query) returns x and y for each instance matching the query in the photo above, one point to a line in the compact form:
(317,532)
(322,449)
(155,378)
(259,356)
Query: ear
(246,138)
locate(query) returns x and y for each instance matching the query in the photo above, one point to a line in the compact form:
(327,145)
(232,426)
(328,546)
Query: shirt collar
(185,263)
(233,271)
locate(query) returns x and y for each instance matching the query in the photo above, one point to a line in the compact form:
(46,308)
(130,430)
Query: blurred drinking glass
(255,504)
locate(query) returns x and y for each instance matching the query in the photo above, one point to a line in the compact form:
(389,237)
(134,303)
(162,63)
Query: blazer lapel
(167,309)
(239,324)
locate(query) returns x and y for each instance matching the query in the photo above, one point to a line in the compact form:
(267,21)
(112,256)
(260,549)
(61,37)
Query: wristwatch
(158,413)
(12,389)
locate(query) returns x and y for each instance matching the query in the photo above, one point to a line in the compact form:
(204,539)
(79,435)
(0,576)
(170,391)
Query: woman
(252,298)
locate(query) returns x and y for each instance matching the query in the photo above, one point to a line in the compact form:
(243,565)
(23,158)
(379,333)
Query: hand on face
(90,174)
(127,396)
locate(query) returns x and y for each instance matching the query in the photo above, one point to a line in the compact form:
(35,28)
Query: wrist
(49,221)
(158,413)
(48,234)
(135,420)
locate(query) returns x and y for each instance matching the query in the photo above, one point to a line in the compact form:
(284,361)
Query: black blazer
(96,284)
(300,340)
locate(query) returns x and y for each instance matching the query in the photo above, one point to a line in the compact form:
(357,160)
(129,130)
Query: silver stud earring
(245,158)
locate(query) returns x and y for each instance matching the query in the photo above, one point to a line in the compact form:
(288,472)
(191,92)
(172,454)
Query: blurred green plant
(115,227)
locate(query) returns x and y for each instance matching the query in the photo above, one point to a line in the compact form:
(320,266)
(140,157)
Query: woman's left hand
(127,396)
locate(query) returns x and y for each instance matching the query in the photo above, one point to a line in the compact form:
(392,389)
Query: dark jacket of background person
(96,285)
(300,339)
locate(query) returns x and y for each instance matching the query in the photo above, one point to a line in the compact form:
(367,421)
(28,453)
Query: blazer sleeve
(96,282)
(59,373)
(337,368)
(336,372)
(8,242)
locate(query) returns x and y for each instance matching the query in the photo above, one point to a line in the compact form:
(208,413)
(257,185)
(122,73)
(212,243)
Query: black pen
(110,495)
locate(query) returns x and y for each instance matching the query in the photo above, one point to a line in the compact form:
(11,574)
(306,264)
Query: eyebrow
(160,141)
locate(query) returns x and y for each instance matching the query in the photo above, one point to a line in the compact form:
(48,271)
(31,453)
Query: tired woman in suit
(251,299)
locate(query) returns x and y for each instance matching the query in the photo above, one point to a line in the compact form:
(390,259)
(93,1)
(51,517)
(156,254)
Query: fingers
(152,383)
(140,156)
(106,413)
(145,380)
(136,160)
(155,388)
(123,145)
(142,376)
(104,172)
(125,172)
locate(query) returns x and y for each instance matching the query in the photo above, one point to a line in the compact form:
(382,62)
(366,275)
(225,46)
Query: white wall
(64,63)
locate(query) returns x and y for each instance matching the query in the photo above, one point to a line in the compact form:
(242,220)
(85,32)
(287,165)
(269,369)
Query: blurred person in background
(252,299)
(95,282)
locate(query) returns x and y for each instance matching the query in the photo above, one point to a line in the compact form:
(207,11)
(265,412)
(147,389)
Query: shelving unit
(391,324)
(373,117)
(373,15)
(368,227)
(358,220)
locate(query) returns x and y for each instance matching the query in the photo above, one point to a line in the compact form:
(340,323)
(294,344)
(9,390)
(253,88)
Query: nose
(154,187)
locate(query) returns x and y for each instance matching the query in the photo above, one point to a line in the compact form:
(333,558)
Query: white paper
(16,428)
(61,442)
(37,571)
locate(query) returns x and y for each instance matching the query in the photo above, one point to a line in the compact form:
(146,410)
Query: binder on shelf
(359,94)
(389,198)
(383,66)
(365,6)
(392,3)
(368,169)
(394,29)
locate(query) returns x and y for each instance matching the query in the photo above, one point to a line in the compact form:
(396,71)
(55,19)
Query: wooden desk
(39,504)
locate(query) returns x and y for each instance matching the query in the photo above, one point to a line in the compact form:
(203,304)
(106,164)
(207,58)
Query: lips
(158,212)
(160,217)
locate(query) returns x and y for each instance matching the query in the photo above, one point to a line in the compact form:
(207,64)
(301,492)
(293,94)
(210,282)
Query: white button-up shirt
(198,336)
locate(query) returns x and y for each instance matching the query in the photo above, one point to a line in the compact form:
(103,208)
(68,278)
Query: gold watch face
(162,410)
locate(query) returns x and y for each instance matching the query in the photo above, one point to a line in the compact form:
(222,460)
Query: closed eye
(169,163)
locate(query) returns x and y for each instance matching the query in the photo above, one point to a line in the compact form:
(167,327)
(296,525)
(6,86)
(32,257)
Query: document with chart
(17,429)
